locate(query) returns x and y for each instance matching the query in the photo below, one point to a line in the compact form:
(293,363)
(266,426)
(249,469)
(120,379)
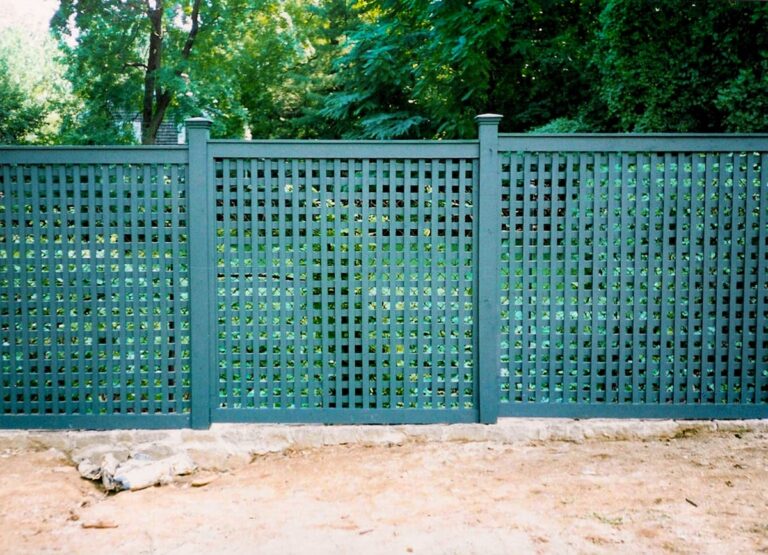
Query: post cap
(488,119)
(198,123)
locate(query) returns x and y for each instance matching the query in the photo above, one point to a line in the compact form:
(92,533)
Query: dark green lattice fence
(344,288)
(94,327)
(634,279)
(403,281)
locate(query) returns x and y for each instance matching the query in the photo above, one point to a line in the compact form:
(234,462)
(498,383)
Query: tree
(35,93)
(683,66)
(129,57)
(21,118)
(285,66)
(422,68)
(413,68)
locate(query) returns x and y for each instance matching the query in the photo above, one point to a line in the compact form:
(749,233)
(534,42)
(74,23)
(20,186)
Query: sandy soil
(702,494)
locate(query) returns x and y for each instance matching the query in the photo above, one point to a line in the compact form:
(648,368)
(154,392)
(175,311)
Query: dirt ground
(706,493)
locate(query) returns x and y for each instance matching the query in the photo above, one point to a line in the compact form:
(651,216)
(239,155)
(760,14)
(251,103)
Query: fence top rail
(622,142)
(93,154)
(343,149)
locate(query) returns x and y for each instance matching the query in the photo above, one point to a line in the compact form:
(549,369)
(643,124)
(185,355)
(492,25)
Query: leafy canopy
(396,68)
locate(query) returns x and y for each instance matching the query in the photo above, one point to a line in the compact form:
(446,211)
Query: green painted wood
(347,416)
(391,284)
(368,261)
(696,254)
(621,192)
(631,410)
(613,365)
(335,283)
(200,193)
(583,248)
(596,368)
(312,297)
(360,150)
(325,286)
(287,383)
(654,273)
(39,393)
(379,363)
(761,328)
(426,399)
(639,202)
(85,155)
(298,295)
(245,378)
(94,421)
(354,282)
(226,286)
(542,297)
(434,384)
(749,284)
(86,333)
(529,261)
(384,275)
(410,282)
(680,295)
(734,186)
(147,374)
(708,316)
(53,213)
(487,195)
(609,142)
(666,288)
(672,258)
(567,206)
(466,381)
(721,314)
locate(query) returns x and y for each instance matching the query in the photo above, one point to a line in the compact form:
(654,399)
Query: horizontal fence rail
(384,281)
(663,142)
(349,149)
(93,155)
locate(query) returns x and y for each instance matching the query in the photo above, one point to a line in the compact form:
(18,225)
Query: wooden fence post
(487,318)
(200,225)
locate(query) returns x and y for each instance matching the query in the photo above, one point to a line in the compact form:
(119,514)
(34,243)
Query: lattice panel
(94,294)
(344,283)
(634,278)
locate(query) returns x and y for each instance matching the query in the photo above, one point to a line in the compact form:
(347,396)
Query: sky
(32,15)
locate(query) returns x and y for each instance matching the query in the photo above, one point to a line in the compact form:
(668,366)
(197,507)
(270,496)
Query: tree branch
(193,31)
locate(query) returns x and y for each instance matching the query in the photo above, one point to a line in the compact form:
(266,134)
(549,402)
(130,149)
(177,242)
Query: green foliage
(421,68)
(744,99)
(396,68)
(153,59)
(35,93)
(286,69)
(564,125)
(272,76)
(21,118)
(683,66)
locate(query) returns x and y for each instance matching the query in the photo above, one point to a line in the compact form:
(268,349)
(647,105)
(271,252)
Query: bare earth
(707,493)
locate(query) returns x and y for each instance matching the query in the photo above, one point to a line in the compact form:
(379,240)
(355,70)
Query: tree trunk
(149,123)
(156,99)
